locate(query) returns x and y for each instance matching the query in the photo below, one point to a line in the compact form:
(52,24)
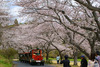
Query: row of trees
(79,18)
(57,24)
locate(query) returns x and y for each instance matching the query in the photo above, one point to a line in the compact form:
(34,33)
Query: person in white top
(98,57)
(58,58)
(91,61)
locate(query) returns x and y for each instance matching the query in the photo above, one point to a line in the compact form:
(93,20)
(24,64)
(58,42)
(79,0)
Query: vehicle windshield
(36,52)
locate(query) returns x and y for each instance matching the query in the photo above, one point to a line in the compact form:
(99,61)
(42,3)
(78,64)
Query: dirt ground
(71,63)
(60,65)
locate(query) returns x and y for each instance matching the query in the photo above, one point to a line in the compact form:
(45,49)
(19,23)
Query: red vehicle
(33,57)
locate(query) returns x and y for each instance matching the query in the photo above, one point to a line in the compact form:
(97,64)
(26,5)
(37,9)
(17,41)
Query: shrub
(8,53)
(53,54)
(4,62)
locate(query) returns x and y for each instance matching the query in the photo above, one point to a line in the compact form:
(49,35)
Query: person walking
(92,61)
(83,61)
(66,62)
(58,58)
(98,57)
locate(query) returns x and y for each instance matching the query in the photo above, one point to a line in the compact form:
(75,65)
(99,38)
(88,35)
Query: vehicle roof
(25,53)
(29,52)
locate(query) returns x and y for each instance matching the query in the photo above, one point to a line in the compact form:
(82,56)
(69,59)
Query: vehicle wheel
(42,63)
(30,62)
(24,61)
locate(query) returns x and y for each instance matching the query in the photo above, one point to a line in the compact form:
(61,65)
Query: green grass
(50,58)
(5,65)
(69,59)
(73,59)
(4,62)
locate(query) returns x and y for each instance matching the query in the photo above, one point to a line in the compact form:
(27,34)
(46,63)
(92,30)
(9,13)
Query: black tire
(42,63)
(23,61)
(30,62)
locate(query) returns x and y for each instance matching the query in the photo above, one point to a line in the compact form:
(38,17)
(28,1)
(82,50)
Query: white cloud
(14,11)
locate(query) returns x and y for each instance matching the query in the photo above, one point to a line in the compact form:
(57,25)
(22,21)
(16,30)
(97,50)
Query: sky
(14,10)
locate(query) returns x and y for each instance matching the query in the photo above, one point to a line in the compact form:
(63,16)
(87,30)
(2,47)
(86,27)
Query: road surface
(21,64)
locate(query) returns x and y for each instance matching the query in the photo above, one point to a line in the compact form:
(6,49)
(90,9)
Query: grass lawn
(4,62)
(73,59)
(50,58)
(5,65)
(69,59)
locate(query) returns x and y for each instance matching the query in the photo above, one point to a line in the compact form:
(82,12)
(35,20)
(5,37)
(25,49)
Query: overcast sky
(14,10)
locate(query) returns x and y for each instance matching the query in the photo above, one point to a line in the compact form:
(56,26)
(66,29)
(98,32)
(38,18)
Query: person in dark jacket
(66,62)
(83,61)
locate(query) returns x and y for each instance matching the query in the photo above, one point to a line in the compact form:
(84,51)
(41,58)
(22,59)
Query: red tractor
(33,57)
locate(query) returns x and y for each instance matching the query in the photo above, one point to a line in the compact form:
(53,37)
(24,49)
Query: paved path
(20,64)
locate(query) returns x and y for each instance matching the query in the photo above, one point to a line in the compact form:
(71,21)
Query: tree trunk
(60,55)
(47,55)
(75,57)
(92,43)
(1,33)
(58,51)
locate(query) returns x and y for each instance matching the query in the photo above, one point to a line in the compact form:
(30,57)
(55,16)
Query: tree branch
(71,41)
(96,19)
(88,5)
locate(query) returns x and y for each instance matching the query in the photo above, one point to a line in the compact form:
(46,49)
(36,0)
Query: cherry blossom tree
(49,38)
(4,17)
(80,18)
(28,36)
